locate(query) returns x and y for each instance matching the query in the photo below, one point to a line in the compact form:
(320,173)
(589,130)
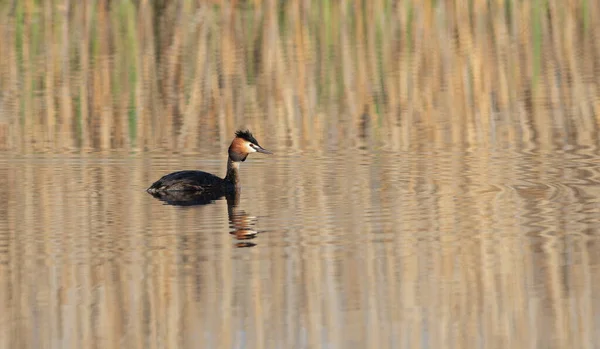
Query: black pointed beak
(262,150)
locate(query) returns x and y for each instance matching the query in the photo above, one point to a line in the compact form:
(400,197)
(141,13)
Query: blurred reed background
(173,74)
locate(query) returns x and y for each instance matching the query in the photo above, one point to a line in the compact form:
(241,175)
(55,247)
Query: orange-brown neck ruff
(238,150)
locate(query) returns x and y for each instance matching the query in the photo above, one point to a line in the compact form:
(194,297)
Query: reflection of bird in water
(242,224)
(206,184)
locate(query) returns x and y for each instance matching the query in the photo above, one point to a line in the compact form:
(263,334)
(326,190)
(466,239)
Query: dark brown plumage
(201,182)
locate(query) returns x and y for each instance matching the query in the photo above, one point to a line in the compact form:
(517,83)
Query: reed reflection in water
(424,248)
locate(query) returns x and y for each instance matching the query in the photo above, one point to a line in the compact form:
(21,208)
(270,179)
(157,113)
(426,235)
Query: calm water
(365,247)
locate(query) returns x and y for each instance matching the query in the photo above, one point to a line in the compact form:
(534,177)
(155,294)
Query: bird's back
(188,181)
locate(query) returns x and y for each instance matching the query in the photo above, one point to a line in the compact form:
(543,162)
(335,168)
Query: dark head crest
(246,135)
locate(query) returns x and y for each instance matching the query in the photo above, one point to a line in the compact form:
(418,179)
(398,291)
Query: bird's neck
(232,175)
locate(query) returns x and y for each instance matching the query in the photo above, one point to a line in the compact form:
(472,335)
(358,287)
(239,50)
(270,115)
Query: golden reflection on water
(386,249)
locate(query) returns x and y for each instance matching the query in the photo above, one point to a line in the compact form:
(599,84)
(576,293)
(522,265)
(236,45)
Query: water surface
(349,248)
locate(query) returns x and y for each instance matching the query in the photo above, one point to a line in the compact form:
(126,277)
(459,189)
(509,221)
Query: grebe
(200,182)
